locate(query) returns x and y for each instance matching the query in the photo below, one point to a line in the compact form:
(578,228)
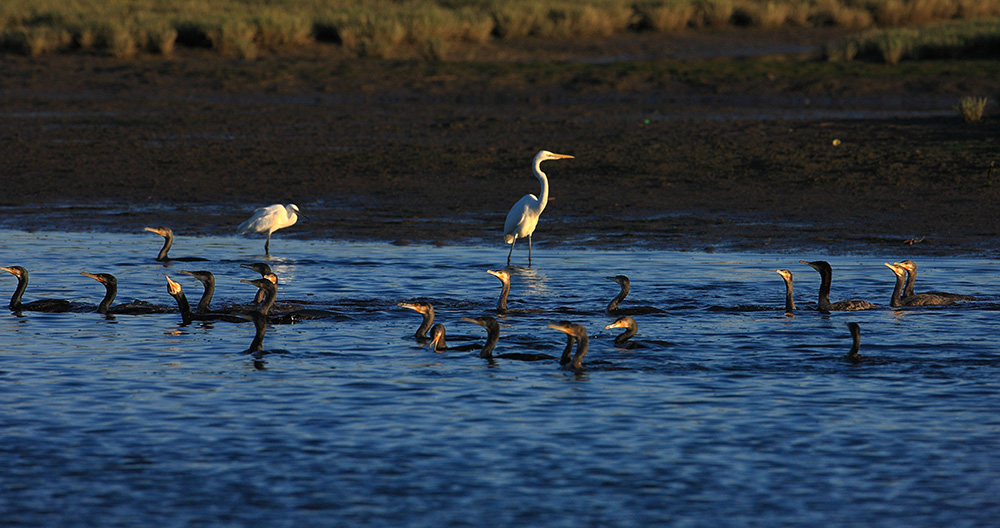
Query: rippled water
(725,417)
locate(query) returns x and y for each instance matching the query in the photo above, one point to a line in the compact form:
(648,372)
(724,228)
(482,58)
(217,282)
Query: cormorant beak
(471,320)
(559,327)
(92,276)
(173,288)
(12,271)
(616,324)
(156,230)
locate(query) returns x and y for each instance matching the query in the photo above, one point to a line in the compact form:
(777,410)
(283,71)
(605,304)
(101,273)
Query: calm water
(722,418)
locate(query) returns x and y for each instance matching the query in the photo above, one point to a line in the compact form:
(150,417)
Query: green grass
(382,28)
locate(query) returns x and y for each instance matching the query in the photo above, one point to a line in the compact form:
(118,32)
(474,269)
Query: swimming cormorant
(911,277)
(630,326)
(168,236)
(493,336)
(920,299)
(175,291)
(826,277)
(427,311)
(625,285)
(789,302)
(111,291)
(853,355)
(41,305)
(579,333)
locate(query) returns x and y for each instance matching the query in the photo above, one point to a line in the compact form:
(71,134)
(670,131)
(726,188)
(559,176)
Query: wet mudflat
(673,153)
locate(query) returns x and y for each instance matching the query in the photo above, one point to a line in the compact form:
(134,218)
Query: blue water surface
(730,413)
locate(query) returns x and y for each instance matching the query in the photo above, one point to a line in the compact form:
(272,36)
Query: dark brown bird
(826,277)
(41,305)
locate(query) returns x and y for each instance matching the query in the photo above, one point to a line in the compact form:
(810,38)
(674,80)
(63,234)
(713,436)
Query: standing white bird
(523,217)
(268,220)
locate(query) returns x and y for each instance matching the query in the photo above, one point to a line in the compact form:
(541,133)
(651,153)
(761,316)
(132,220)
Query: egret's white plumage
(268,220)
(523,217)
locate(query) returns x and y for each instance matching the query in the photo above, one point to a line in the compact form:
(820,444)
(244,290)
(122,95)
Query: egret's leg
(529,251)
(267,245)
(511,250)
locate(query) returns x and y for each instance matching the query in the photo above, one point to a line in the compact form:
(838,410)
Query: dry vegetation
(975,38)
(385,28)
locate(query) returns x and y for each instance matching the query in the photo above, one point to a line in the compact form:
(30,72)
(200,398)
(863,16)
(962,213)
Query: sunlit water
(723,418)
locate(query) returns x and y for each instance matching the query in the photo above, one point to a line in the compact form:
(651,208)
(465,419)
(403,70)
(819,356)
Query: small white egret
(268,220)
(523,217)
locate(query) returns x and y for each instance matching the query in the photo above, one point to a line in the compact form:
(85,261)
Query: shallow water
(725,417)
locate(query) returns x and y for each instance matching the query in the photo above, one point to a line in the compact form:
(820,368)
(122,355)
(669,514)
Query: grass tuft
(971,108)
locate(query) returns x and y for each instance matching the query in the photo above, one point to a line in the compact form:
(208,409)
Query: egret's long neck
(544,197)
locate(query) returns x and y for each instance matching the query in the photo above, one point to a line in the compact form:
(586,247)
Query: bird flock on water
(521,222)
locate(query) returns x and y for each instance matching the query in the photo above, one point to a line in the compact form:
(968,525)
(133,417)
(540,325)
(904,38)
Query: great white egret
(523,217)
(268,220)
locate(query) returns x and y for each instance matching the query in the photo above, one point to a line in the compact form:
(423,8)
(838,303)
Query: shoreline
(669,154)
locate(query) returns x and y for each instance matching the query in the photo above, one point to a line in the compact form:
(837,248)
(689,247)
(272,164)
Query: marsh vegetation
(432,29)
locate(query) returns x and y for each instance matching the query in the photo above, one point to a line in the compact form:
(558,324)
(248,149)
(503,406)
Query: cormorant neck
(568,351)
(183,306)
(204,305)
(111,291)
(260,324)
(22,284)
(855,345)
(894,301)
(911,277)
(629,332)
(613,305)
(425,325)
(167,242)
(270,295)
(789,301)
(492,337)
(582,344)
(826,277)
(502,302)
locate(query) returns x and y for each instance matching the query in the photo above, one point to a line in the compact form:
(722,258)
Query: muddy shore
(772,153)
